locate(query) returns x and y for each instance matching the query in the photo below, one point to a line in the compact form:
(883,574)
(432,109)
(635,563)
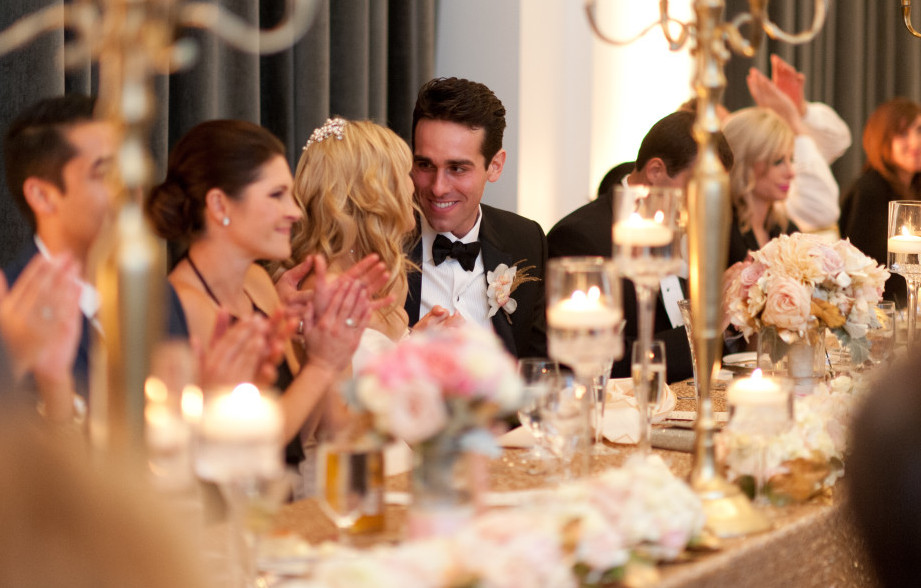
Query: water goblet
(648,394)
(585,322)
(541,377)
(647,248)
(239,449)
(564,418)
(904,251)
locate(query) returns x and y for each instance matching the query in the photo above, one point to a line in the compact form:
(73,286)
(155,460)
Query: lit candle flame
(757,374)
(906,232)
(659,216)
(192,403)
(155,390)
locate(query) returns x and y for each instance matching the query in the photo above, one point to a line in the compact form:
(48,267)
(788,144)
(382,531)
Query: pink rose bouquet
(440,382)
(798,281)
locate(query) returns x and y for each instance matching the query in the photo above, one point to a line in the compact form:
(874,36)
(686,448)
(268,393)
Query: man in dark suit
(457,148)
(666,158)
(58,159)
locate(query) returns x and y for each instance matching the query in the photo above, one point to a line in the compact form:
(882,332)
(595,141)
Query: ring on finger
(300,327)
(350,322)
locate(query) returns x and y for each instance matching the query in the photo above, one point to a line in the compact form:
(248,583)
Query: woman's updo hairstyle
(224,154)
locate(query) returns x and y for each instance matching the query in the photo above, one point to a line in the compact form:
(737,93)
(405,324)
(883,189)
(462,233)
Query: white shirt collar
(89,296)
(428,235)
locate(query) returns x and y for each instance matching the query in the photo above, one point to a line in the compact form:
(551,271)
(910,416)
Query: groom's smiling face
(450,174)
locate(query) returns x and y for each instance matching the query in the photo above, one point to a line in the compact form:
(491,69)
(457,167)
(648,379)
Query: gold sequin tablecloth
(811,545)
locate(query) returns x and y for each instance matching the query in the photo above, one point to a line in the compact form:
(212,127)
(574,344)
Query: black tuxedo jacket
(587,231)
(506,238)
(177,327)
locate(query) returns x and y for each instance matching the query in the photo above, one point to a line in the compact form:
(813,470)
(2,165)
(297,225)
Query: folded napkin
(621,416)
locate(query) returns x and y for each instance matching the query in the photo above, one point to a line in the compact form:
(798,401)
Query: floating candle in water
(904,243)
(582,310)
(756,390)
(637,231)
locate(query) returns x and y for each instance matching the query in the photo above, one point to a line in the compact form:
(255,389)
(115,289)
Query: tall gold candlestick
(728,510)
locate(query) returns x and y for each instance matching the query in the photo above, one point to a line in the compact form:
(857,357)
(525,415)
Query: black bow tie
(465,254)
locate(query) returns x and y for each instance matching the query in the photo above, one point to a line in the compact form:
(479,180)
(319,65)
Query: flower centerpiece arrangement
(594,532)
(440,391)
(797,283)
(807,459)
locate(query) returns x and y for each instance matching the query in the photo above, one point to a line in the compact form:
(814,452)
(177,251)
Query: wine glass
(345,481)
(585,322)
(541,376)
(904,245)
(648,394)
(647,248)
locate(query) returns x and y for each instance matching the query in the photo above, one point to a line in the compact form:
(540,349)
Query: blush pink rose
(787,305)
(417,411)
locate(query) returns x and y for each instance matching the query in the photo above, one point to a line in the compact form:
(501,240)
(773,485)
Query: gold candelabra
(134,41)
(728,510)
(906,16)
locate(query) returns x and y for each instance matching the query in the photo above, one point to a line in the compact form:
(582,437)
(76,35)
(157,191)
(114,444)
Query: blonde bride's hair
(353,185)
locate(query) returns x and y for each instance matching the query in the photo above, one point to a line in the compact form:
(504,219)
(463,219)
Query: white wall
(576,107)
(478,40)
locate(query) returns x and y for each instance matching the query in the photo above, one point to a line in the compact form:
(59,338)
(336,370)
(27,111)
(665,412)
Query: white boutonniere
(503,281)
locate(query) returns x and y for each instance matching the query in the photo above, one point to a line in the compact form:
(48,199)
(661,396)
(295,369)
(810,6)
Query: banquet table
(810,544)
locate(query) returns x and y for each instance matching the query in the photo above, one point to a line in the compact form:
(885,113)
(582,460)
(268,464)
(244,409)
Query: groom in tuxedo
(457,148)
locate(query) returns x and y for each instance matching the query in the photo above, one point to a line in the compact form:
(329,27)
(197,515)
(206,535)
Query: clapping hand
(40,324)
(768,95)
(789,81)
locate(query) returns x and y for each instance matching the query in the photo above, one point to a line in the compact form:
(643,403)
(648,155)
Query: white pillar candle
(582,311)
(904,244)
(636,231)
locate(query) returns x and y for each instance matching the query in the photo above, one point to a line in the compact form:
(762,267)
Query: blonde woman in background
(760,180)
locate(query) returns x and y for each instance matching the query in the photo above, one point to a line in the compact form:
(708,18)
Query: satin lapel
(493,256)
(414,285)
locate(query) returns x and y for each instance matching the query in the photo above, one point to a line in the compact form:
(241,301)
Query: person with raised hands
(227,201)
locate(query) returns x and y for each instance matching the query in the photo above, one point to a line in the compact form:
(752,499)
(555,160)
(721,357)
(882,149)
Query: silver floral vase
(441,495)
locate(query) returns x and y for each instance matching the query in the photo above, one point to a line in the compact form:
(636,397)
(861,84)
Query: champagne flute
(585,324)
(647,248)
(345,482)
(904,245)
(648,394)
(541,377)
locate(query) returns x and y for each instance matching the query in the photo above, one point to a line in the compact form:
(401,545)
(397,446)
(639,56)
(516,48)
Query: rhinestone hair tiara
(333,127)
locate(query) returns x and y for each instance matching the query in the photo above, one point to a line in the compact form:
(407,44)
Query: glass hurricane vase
(803,360)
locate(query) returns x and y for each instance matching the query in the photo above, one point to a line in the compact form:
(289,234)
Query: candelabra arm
(664,21)
(906,14)
(239,34)
(818,21)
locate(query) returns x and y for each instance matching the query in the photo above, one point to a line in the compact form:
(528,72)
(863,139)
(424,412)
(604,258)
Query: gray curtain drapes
(360,59)
(861,58)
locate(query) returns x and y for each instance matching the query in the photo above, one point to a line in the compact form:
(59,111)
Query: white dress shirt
(451,286)
(89,296)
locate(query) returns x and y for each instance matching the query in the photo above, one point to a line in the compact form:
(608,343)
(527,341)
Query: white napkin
(621,417)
